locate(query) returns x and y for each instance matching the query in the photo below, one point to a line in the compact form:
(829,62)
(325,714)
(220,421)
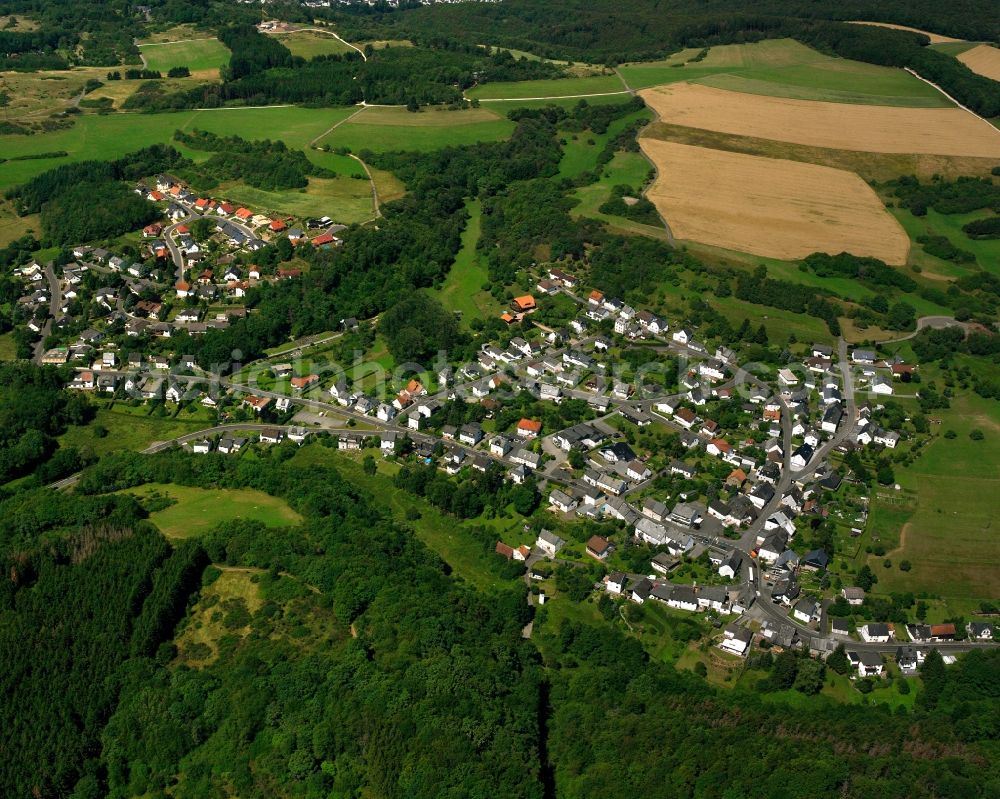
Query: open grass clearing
(779,209)
(936,38)
(8,347)
(200,55)
(987,251)
(462,290)
(869,128)
(199,510)
(943,521)
(33,96)
(13,226)
(983,59)
(556,87)
(217,614)
(582,148)
(131,429)
(310,43)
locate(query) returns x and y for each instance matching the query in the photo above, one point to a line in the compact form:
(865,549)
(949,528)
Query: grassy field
(953,48)
(13,226)
(113,135)
(8,349)
(388,129)
(942,518)
(987,251)
(786,68)
(130,429)
(200,55)
(199,510)
(558,87)
(346,200)
(462,288)
(309,44)
(441,533)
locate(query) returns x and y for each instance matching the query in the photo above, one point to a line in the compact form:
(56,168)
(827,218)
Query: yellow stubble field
(770,207)
(865,128)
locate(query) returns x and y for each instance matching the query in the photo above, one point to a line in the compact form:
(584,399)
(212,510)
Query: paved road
(933,322)
(55,304)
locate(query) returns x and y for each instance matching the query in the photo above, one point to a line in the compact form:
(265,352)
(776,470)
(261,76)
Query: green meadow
(941,520)
(111,136)
(557,87)
(388,129)
(199,510)
(462,288)
(308,43)
(786,68)
(198,55)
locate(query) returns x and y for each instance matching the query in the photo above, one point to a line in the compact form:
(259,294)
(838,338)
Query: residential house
(549,543)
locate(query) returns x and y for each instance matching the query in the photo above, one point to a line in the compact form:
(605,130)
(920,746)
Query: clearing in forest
(203,56)
(936,38)
(310,43)
(770,207)
(983,59)
(866,128)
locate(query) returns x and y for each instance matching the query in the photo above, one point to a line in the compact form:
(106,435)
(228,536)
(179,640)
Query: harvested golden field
(769,207)
(867,128)
(936,38)
(982,59)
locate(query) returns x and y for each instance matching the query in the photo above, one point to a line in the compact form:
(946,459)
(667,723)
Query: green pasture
(987,251)
(786,68)
(131,428)
(388,129)
(941,522)
(556,87)
(198,55)
(462,288)
(308,43)
(111,136)
(199,510)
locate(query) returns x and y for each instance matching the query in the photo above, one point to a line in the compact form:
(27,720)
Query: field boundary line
(918,76)
(336,125)
(550,97)
(178,41)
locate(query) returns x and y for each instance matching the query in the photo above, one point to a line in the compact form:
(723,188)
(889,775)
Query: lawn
(441,533)
(388,129)
(130,429)
(944,522)
(199,510)
(113,135)
(786,68)
(308,44)
(556,87)
(462,288)
(200,55)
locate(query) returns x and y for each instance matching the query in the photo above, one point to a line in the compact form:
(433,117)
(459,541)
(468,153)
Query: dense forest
(262,70)
(263,164)
(369,670)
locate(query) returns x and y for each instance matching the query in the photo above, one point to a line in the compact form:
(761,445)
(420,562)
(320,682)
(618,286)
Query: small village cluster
(743,487)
